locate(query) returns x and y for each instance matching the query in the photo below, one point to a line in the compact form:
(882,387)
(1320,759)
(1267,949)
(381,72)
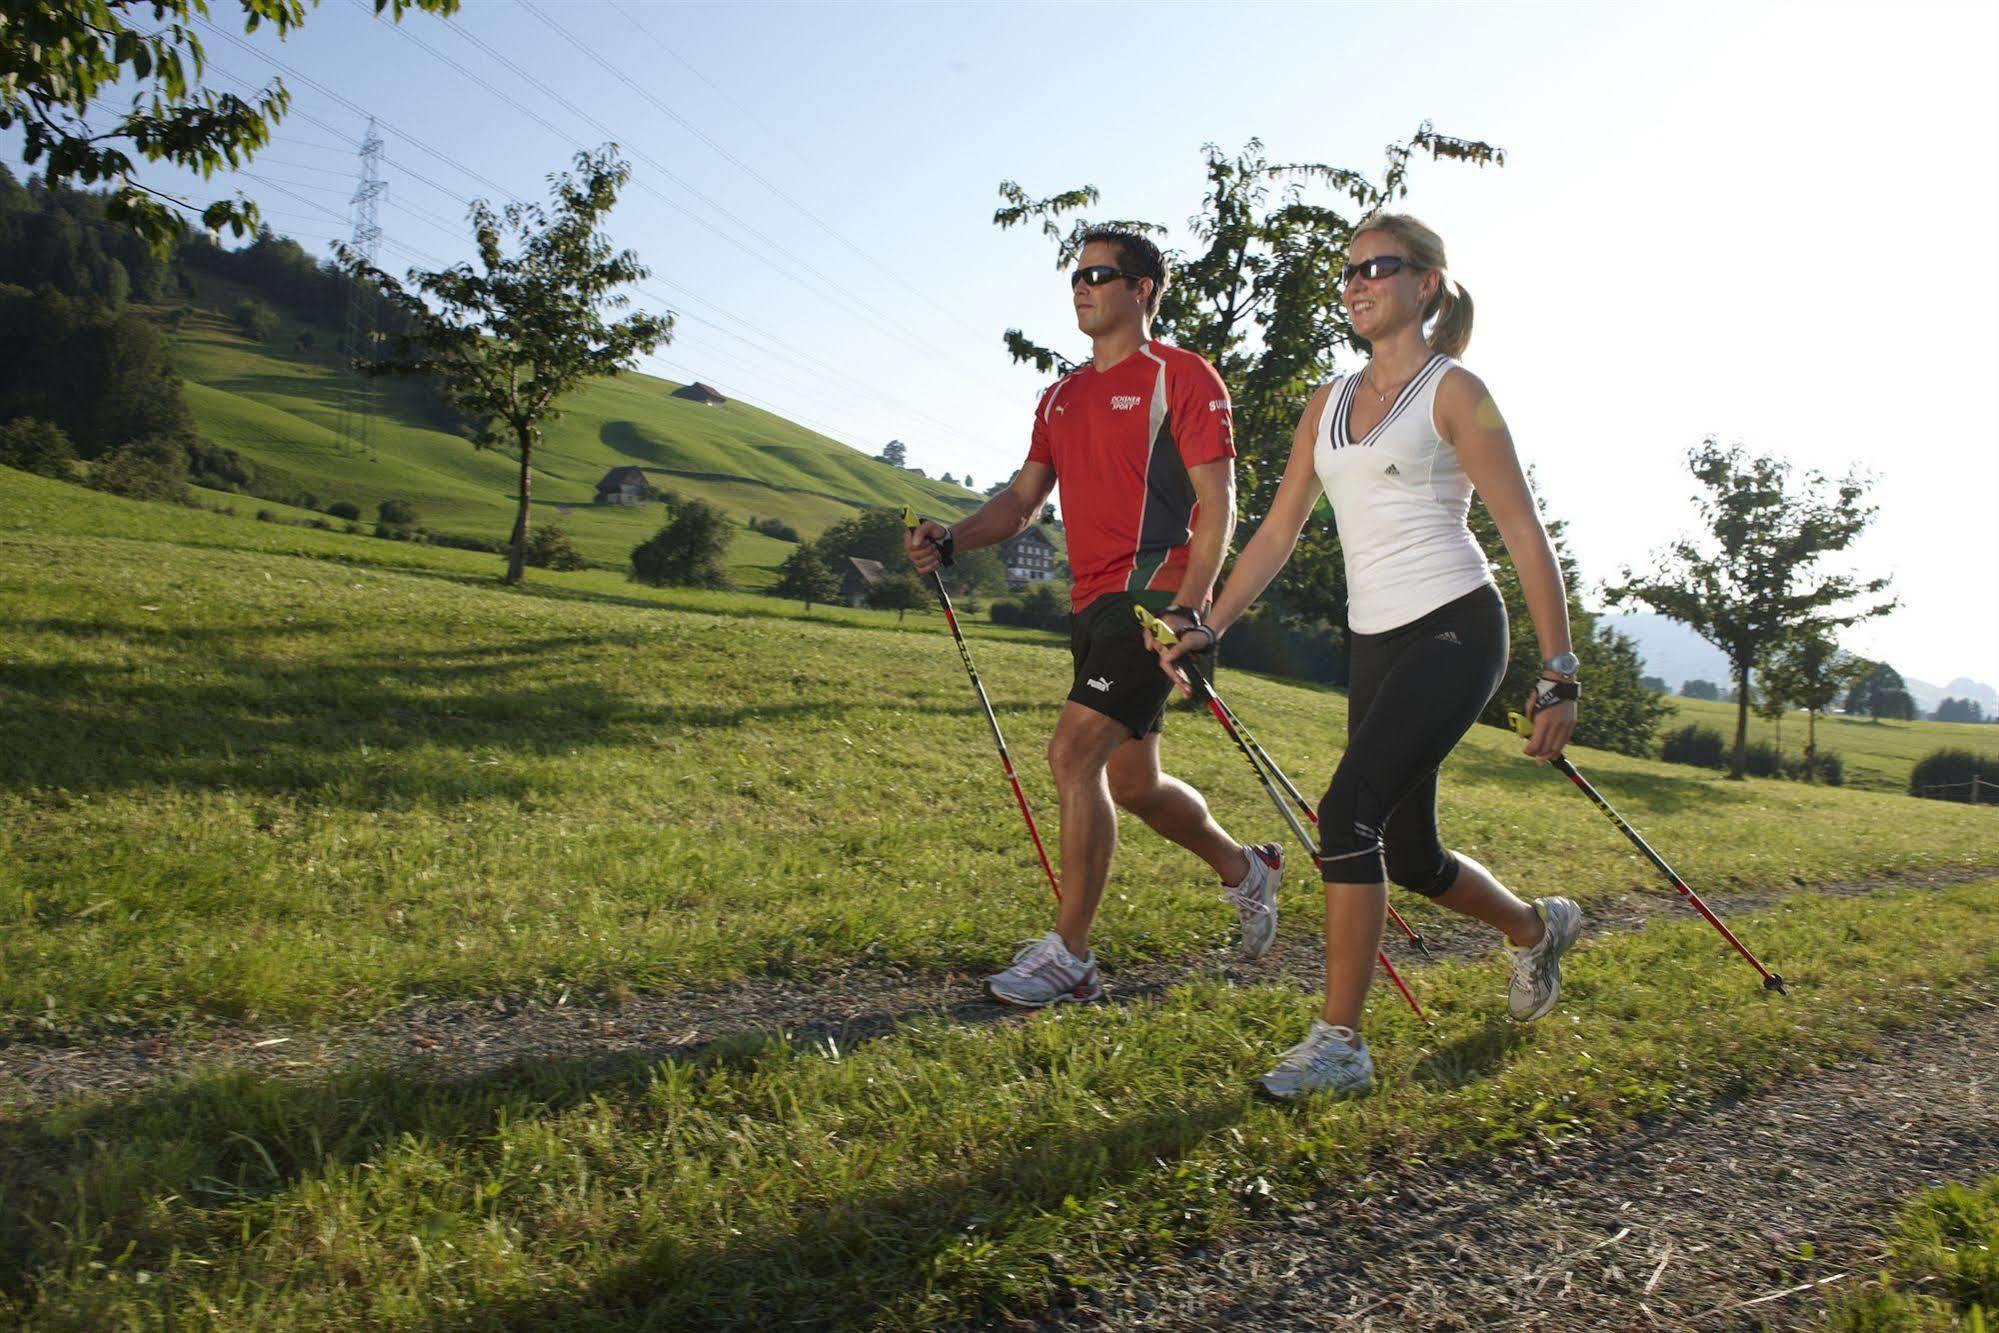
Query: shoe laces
(1041,954)
(1325,1048)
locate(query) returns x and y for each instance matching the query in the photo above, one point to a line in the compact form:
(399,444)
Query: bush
(256,319)
(143,470)
(457,542)
(396,513)
(1703,747)
(1948,775)
(267,516)
(1826,767)
(775,527)
(37,446)
(344,509)
(550,547)
(395,532)
(1761,760)
(689,551)
(221,469)
(1040,606)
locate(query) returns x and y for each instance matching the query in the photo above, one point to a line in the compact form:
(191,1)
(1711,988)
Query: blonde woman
(1399,447)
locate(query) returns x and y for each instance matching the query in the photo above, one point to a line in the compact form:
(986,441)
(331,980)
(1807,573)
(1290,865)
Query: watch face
(1566,663)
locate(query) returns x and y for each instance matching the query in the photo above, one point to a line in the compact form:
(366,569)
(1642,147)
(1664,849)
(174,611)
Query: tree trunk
(1811,745)
(518,551)
(1741,719)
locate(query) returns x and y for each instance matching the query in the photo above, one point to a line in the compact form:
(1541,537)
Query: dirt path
(1698,1222)
(461,1038)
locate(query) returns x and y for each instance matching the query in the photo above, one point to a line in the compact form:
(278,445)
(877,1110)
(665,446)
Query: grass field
(312,786)
(263,773)
(1944,1270)
(1878,755)
(281,408)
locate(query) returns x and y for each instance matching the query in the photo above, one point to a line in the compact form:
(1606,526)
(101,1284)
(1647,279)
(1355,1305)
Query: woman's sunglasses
(1381,266)
(1096,275)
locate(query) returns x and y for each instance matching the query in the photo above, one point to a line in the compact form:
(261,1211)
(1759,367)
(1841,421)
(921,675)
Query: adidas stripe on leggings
(1414,692)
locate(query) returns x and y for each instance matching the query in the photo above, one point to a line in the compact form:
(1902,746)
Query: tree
(507,343)
(1656,684)
(1958,710)
(1258,296)
(257,320)
(1880,693)
(973,574)
(61,61)
(806,576)
(873,534)
(690,551)
(37,446)
(948,479)
(552,548)
(105,379)
(1808,671)
(898,591)
(894,453)
(1758,582)
(1699,689)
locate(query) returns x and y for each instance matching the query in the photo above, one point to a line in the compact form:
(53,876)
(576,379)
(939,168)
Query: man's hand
(921,543)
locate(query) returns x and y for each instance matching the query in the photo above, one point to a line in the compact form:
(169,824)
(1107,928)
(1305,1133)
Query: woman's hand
(1193,639)
(1553,725)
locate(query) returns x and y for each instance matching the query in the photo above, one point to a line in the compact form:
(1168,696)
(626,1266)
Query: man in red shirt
(1140,440)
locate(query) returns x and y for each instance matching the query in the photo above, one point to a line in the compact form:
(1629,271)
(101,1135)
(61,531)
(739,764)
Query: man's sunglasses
(1381,266)
(1096,275)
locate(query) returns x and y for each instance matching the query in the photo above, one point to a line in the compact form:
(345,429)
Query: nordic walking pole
(1258,752)
(910,521)
(1163,633)
(1771,981)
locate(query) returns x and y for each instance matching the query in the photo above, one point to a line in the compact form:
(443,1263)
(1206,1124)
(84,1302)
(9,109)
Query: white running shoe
(1044,972)
(1537,972)
(1331,1059)
(1255,899)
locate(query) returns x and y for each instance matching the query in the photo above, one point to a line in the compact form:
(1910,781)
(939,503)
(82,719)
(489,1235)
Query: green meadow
(1878,755)
(281,407)
(264,774)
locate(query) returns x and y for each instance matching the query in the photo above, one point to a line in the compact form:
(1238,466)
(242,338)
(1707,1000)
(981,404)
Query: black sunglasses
(1096,275)
(1381,266)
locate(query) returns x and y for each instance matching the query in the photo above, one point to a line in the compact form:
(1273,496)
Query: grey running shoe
(1255,899)
(1044,972)
(1537,972)
(1332,1059)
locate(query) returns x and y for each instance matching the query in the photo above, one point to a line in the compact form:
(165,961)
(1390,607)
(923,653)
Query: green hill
(1877,755)
(281,405)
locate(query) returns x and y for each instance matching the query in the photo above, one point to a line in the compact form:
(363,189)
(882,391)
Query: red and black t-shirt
(1121,442)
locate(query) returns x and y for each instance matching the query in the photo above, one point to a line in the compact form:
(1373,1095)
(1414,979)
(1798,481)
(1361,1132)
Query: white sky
(1777,223)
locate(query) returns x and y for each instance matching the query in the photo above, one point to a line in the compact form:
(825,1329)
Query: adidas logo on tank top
(1400,498)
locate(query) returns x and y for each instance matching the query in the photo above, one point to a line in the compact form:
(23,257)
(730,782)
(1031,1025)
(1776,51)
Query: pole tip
(1775,983)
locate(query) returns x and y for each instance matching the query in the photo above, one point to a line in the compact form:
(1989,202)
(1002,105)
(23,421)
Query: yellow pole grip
(1157,628)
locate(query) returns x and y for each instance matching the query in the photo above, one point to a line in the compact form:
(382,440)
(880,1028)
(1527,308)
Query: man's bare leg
(1171,808)
(1078,754)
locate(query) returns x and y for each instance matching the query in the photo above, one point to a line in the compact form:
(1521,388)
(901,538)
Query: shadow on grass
(171,1171)
(1630,792)
(393,727)
(1473,1056)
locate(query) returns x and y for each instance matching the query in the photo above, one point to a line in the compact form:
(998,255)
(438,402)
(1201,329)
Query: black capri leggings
(1414,692)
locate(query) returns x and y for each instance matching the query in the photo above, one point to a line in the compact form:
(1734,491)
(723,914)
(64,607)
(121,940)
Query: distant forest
(84,377)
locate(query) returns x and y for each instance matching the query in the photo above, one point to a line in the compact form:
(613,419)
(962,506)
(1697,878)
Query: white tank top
(1400,498)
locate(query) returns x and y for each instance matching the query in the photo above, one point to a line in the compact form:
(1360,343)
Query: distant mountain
(1671,650)
(1677,654)
(1928,696)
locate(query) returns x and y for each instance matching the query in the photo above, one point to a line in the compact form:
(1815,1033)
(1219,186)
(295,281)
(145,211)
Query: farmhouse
(699,393)
(627,486)
(859,577)
(1029,558)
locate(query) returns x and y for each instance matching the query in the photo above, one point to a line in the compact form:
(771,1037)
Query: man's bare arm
(1006,514)
(1214,526)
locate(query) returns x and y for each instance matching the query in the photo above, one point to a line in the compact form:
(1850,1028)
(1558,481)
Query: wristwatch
(1193,616)
(1562,664)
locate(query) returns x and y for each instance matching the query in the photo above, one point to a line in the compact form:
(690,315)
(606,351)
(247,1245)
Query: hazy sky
(1774,223)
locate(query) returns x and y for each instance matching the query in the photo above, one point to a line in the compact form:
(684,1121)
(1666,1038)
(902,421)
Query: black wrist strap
(1189,612)
(947,546)
(1548,693)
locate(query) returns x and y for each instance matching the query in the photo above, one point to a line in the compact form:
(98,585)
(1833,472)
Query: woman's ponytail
(1452,312)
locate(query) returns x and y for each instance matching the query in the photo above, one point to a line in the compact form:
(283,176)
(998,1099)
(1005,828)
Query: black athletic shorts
(1115,675)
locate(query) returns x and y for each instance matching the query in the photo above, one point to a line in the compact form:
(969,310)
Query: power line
(748,170)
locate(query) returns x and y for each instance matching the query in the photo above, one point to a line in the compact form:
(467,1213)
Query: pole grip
(911,521)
